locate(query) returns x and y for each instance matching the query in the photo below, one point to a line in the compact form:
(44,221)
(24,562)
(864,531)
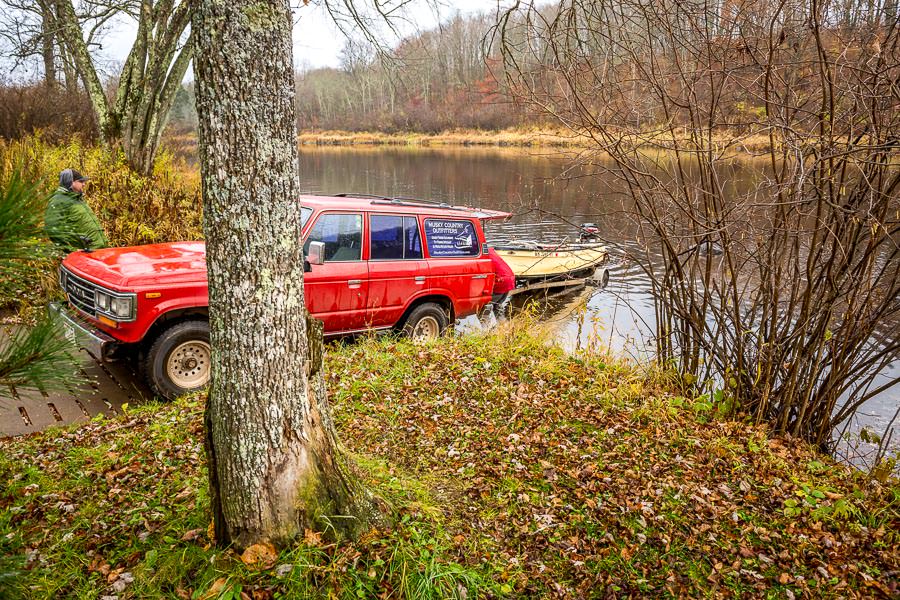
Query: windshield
(304,216)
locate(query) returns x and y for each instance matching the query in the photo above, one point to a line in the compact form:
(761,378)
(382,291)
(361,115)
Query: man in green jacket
(69,221)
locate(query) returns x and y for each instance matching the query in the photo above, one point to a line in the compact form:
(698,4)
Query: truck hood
(141,266)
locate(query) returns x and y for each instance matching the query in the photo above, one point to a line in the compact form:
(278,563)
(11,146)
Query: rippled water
(548,199)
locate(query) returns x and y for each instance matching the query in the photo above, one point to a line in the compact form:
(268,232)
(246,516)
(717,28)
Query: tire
(179,360)
(426,322)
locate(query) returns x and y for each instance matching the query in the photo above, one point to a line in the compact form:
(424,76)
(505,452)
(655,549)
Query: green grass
(516,471)
(116,497)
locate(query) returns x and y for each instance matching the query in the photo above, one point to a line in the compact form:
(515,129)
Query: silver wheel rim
(188,365)
(426,329)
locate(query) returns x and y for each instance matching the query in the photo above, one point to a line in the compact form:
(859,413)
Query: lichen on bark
(261,15)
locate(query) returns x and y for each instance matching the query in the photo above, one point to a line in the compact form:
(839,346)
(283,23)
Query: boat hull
(553,263)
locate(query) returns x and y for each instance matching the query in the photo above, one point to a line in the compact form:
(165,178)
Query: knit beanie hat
(67,176)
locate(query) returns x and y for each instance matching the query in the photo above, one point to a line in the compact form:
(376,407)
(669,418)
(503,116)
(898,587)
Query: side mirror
(316,255)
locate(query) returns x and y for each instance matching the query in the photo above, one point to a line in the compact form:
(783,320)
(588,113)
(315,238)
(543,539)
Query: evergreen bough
(33,357)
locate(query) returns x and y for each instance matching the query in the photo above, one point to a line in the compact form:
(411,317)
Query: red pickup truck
(371,263)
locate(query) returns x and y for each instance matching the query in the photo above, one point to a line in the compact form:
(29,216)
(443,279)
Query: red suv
(371,263)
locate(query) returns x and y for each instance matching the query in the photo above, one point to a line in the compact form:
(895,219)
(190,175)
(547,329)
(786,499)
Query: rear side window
(394,237)
(341,234)
(450,238)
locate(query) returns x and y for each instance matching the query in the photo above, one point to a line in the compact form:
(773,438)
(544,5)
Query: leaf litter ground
(516,470)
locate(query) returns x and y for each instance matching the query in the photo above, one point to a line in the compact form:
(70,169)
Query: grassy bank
(465,137)
(516,471)
(519,137)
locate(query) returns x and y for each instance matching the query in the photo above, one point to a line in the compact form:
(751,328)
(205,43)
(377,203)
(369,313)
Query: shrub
(57,114)
(134,209)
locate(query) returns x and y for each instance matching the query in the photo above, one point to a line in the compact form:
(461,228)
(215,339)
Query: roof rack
(353,195)
(424,203)
(406,201)
(395,200)
(402,199)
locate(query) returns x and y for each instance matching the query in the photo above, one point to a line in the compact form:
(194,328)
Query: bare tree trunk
(274,465)
(70,73)
(48,43)
(70,30)
(155,70)
(147,122)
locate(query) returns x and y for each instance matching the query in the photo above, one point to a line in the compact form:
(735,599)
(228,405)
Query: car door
(337,291)
(397,267)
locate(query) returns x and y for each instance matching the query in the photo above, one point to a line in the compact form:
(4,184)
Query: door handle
(354,281)
(420,279)
(482,276)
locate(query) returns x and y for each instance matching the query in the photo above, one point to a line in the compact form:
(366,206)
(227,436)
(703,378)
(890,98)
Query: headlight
(117,307)
(102,301)
(120,307)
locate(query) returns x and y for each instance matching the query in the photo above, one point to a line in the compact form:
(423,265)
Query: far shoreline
(511,138)
(524,138)
(727,143)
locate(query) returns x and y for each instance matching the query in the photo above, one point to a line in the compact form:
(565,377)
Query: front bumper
(99,344)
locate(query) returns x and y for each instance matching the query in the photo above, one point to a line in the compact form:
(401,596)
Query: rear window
(448,238)
(394,237)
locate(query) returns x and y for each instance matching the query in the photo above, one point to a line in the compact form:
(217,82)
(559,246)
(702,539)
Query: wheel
(179,361)
(426,322)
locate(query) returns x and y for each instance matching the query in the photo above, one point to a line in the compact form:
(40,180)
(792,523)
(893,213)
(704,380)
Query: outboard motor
(589,233)
(601,278)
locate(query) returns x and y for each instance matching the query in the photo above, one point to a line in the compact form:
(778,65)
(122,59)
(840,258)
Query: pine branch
(37,357)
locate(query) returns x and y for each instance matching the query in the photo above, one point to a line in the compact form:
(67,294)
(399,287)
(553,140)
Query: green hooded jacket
(68,218)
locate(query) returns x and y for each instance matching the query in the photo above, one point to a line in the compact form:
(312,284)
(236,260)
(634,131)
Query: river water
(548,198)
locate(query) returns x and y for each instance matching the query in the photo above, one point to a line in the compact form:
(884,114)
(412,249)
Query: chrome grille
(80,293)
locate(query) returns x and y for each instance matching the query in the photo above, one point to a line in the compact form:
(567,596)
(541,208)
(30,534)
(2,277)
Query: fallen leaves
(191,535)
(261,556)
(122,582)
(283,570)
(312,538)
(215,589)
(573,461)
(552,475)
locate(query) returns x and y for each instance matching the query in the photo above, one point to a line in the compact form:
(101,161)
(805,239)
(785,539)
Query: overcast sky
(317,40)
